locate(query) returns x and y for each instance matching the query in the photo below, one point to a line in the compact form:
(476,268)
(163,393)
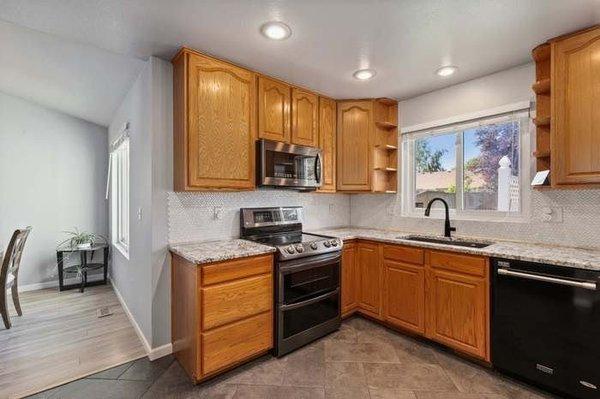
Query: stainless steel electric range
(307,275)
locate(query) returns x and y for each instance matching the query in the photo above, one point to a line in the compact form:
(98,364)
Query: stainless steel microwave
(288,165)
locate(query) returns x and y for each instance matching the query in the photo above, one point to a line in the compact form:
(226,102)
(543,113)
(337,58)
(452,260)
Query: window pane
(435,170)
(491,167)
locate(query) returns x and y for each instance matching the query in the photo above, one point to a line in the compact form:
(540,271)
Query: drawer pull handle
(588,385)
(579,284)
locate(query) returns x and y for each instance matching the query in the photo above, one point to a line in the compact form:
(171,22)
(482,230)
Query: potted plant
(82,239)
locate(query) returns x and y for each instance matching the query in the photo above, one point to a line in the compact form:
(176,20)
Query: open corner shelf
(542,154)
(386,125)
(387,169)
(542,86)
(542,121)
(387,101)
(388,147)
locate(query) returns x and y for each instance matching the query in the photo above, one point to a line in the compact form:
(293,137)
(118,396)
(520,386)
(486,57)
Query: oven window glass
(302,285)
(301,319)
(290,166)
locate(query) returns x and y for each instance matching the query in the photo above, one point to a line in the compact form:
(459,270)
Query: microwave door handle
(318,168)
(554,280)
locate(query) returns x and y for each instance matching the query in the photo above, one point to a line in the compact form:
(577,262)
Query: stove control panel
(310,248)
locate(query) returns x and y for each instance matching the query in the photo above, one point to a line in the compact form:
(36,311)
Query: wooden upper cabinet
(327,142)
(305,118)
(274,100)
(575,129)
(355,120)
(370,276)
(214,124)
(349,279)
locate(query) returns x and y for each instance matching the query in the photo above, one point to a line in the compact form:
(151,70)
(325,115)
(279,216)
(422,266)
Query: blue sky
(447,141)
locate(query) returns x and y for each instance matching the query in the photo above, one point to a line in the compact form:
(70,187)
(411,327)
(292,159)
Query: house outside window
(480,168)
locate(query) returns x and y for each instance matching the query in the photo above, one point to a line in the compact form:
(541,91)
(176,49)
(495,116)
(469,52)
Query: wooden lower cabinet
(404,299)
(369,278)
(226,346)
(349,280)
(222,313)
(441,295)
(456,308)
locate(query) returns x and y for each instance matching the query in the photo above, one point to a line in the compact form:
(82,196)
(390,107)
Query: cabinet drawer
(236,269)
(403,254)
(474,265)
(235,300)
(226,346)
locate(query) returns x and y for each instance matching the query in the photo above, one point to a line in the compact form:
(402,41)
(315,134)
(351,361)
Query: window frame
(120,168)
(458,128)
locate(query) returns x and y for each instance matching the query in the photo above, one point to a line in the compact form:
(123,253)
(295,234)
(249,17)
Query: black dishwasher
(546,326)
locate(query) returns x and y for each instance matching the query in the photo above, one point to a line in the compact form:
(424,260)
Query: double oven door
(308,300)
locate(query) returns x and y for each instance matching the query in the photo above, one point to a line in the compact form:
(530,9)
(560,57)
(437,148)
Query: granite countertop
(554,255)
(215,251)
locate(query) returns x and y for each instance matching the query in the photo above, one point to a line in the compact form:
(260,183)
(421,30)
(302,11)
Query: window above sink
(480,167)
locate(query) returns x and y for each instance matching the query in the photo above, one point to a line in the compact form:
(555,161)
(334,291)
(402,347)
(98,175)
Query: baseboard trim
(48,284)
(152,353)
(160,351)
(134,323)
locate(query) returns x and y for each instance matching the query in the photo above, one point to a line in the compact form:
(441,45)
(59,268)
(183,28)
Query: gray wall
(132,277)
(143,279)
(576,221)
(52,177)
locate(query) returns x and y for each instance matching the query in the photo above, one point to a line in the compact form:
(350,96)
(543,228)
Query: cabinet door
(355,119)
(305,118)
(221,125)
(273,110)
(349,279)
(369,269)
(404,298)
(575,125)
(457,308)
(327,122)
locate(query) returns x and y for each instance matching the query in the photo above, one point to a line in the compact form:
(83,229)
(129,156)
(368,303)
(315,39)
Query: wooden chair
(9,272)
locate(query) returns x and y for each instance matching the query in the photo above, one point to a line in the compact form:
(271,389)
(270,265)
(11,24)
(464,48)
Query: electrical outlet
(391,210)
(139,214)
(218,212)
(551,215)
(331,208)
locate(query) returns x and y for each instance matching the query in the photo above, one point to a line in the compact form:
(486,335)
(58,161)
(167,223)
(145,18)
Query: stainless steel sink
(447,241)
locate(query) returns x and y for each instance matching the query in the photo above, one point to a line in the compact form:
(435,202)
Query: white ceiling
(404,40)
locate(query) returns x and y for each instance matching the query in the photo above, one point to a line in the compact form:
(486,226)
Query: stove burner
(282,229)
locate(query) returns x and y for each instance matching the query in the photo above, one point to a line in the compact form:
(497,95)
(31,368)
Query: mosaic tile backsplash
(576,220)
(192,215)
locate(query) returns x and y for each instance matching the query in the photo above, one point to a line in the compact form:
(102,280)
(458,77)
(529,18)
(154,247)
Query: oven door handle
(310,301)
(554,280)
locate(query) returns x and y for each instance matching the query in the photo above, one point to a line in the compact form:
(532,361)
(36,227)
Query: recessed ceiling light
(446,70)
(364,74)
(276,30)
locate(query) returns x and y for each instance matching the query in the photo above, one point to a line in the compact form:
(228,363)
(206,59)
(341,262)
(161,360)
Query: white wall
(52,177)
(578,222)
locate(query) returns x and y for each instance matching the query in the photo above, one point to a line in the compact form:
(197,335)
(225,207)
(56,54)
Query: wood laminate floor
(60,338)
(363,360)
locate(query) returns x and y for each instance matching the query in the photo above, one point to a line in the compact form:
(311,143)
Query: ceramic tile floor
(361,360)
